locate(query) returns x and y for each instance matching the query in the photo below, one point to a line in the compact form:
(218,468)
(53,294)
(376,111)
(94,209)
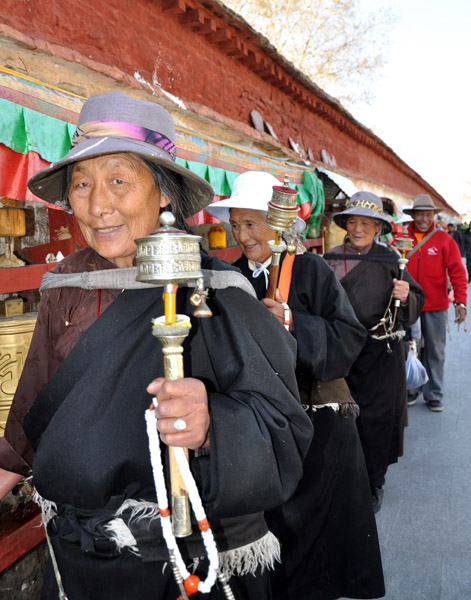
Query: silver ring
(179,424)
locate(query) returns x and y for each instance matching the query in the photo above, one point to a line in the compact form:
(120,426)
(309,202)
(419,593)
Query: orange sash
(284,282)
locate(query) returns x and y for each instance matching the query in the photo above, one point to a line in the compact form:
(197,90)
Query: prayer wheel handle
(281,216)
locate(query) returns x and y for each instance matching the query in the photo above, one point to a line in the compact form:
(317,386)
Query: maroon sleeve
(64,314)
(15,452)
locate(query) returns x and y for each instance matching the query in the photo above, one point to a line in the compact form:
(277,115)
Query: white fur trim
(246,559)
(335,406)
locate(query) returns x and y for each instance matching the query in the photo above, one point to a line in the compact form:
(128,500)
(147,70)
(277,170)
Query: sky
(422,105)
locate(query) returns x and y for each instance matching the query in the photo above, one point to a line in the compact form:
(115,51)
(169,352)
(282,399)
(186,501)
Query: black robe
(327,529)
(87,426)
(377,379)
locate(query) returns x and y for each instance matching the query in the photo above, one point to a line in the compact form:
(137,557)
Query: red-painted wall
(200,62)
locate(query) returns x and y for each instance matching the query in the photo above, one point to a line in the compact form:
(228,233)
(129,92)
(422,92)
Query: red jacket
(435,261)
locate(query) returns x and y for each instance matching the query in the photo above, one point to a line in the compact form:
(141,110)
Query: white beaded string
(195,500)
(197,506)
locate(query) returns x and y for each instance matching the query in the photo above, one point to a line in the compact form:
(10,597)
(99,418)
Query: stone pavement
(424,524)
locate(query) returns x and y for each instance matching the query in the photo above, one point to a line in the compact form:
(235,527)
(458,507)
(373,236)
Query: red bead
(191,584)
(203,525)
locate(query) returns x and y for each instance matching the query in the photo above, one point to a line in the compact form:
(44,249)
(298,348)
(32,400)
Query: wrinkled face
(423,219)
(115,200)
(361,230)
(251,233)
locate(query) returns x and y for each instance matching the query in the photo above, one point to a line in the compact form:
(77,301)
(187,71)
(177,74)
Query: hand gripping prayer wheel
(403,244)
(281,216)
(170,257)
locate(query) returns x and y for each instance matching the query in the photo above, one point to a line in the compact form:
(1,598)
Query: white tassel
(48,508)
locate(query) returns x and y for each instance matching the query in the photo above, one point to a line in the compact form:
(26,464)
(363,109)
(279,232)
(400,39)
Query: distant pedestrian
(458,235)
(434,259)
(467,249)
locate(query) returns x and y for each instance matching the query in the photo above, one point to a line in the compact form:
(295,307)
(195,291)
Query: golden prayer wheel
(15,338)
(282,208)
(403,244)
(217,237)
(12,224)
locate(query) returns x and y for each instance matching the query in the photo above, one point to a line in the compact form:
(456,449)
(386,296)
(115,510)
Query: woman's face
(251,233)
(115,200)
(361,230)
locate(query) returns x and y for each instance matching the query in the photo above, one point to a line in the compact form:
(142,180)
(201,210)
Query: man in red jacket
(436,260)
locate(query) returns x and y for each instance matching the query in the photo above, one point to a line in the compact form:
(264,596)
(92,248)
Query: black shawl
(327,529)
(87,424)
(377,378)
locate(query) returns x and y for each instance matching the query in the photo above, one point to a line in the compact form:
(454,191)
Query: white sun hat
(251,190)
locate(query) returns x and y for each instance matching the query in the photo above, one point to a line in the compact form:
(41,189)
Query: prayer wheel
(15,338)
(12,222)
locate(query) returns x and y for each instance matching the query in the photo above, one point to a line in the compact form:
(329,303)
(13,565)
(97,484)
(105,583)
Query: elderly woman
(94,366)
(369,273)
(327,530)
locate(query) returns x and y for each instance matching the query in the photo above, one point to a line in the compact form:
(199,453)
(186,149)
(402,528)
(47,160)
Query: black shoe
(377,499)
(411,401)
(434,405)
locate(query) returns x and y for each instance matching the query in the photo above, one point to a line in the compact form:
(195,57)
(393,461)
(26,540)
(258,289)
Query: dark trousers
(468,266)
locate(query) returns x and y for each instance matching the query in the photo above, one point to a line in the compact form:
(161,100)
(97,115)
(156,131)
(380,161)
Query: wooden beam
(232,47)
(174,6)
(222,34)
(227,254)
(17,279)
(192,17)
(19,537)
(209,26)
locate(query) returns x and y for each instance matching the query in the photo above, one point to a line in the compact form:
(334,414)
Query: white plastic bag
(416,375)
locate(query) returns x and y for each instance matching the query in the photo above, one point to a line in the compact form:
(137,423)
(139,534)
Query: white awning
(343,184)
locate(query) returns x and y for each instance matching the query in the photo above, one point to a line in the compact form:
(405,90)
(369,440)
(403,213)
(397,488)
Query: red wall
(139,35)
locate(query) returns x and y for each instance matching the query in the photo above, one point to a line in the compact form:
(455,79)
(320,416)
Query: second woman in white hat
(327,529)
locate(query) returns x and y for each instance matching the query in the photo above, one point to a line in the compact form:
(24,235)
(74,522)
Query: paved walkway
(424,524)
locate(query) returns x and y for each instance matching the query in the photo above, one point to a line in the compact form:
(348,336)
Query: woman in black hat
(369,273)
(94,366)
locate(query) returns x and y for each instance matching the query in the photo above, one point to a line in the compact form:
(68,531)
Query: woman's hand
(8,480)
(401,290)
(277,309)
(184,400)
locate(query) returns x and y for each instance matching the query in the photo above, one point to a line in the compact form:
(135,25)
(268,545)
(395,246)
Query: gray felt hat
(114,122)
(364,204)
(422,202)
